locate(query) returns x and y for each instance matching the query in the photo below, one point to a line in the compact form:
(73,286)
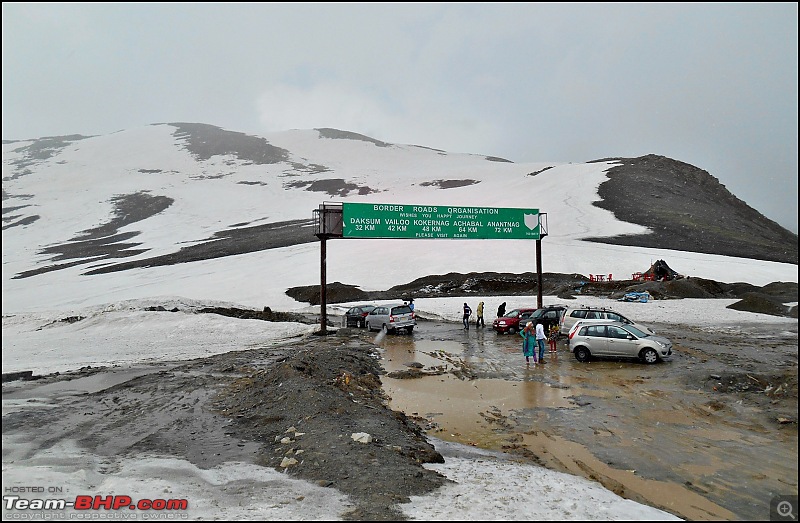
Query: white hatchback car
(615,339)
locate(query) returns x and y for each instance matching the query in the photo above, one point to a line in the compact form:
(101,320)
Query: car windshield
(637,332)
(513,314)
(368,308)
(538,313)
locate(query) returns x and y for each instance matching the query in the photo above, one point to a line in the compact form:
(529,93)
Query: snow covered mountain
(196,211)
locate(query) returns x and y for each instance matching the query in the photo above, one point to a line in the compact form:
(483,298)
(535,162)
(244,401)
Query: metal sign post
(327,224)
(386,220)
(539,274)
(323,298)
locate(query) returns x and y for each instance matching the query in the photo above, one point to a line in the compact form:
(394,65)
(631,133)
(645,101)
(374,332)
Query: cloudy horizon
(712,85)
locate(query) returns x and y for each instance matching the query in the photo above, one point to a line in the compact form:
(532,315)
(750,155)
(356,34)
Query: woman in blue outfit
(529,343)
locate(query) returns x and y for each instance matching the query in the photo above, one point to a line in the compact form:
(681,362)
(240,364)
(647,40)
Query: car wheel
(649,355)
(360,323)
(409,329)
(369,327)
(385,329)
(512,330)
(582,354)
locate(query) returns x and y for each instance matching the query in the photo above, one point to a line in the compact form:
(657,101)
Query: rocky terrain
(768,299)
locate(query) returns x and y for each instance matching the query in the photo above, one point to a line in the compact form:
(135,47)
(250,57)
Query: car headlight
(662,345)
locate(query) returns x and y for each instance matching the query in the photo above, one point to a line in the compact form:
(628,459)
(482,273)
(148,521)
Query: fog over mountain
(78,207)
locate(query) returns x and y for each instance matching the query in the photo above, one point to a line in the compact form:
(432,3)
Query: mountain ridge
(689,209)
(684,207)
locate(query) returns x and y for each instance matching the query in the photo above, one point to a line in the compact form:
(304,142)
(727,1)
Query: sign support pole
(323,305)
(539,273)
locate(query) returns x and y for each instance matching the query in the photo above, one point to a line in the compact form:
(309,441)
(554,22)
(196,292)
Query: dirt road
(710,434)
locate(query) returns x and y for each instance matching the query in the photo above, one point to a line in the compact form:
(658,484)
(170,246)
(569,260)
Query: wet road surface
(658,434)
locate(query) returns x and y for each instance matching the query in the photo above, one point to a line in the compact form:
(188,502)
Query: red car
(510,323)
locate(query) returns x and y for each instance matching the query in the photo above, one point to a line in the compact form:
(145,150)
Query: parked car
(584,313)
(510,323)
(357,316)
(391,318)
(549,315)
(616,339)
(624,320)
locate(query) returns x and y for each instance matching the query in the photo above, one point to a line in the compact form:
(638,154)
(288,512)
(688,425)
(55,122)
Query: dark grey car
(391,317)
(356,316)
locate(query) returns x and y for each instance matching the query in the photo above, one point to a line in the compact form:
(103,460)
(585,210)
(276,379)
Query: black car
(549,315)
(356,316)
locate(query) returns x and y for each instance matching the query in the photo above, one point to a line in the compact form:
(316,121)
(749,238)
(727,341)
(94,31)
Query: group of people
(479,322)
(533,338)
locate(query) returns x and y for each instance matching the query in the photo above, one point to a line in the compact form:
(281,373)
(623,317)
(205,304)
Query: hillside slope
(180,193)
(688,209)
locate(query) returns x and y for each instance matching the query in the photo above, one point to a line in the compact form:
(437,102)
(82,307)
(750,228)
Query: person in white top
(540,339)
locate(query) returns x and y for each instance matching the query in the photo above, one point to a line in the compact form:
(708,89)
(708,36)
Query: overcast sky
(713,85)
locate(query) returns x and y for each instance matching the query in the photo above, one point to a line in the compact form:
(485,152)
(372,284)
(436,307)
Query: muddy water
(640,430)
(466,411)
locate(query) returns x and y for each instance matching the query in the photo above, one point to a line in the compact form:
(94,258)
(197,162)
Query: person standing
(552,337)
(501,310)
(411,304)
(479,312)
(540,337)
(467,314)
(529,343)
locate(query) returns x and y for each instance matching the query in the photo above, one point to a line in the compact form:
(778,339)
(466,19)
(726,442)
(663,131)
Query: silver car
(619,340)
(391,317)
(581,323)
(598,314)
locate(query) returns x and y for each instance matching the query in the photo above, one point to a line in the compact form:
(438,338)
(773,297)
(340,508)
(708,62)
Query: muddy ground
(291,407)
(707,436)
(711,434)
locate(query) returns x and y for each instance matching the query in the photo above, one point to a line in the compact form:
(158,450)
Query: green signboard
(382,220)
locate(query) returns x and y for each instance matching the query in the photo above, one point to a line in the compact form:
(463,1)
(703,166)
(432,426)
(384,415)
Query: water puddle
(487,413)
(470,412)
(399,353)
(464,411)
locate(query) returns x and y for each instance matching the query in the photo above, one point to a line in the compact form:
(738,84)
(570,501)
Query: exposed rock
(761,303)
(361,437)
